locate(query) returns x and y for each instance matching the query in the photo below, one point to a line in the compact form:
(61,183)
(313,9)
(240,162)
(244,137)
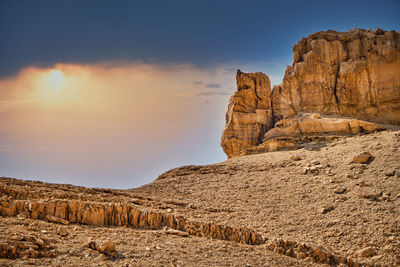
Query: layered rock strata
(355,74)
(249,113)
(118,214)
(352,74)
(308,124)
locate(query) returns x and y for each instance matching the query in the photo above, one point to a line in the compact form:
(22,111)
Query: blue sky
(199,32)
(143,86)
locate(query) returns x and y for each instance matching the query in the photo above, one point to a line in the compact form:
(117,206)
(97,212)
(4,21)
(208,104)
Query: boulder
(107,247)
(363,158)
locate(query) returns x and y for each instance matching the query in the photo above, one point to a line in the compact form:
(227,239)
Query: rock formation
(344,74)
(249,113)
(355,74)
(308,131)
(118,214)
(307,124)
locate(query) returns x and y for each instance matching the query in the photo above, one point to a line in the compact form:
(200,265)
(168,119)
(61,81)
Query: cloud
(131,110)
(197,82)
(213,85)
(212,93)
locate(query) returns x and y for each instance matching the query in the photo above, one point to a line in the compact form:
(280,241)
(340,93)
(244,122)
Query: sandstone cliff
(355,74)
(249,113)
(343,74)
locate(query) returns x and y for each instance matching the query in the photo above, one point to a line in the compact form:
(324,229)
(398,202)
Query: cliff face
(249,113)
(343,74)
(354,74)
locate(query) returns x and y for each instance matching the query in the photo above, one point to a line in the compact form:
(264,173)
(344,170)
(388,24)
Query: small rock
(39,242)
(107,247)
(176,232)
(310,170)
(295,158)
(366,252)
(169,210)
(339,190)
(363,158)
(324,210)
(390,173)
(53,219)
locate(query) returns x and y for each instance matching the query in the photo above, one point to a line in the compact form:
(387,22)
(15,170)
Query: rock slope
(343,74)
(338,204)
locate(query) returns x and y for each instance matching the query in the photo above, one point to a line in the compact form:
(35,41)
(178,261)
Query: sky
(113,93)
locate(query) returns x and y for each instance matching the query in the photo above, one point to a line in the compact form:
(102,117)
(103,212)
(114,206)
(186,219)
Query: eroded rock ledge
(354,74)
(118,214)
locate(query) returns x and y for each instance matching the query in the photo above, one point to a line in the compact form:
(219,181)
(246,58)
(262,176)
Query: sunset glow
(109,118)
(112,95)
(55,80)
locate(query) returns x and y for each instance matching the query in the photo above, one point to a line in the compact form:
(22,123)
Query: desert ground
(309,207)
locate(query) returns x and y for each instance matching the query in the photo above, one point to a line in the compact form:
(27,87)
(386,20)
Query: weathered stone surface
(272,145)
(342,74)
(354,73)
(362,158)
(302,251)
(118,214)
(249,113)
(307,124)
(25,247)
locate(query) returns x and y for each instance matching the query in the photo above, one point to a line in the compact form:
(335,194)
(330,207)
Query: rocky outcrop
(249,113)
(352,74)
(307,124)
(303,251)
(25,246)
(119,214)
(309,131)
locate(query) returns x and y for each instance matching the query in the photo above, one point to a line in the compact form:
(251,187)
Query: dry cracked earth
(307,207)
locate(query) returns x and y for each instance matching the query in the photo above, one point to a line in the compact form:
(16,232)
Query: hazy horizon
(111,95)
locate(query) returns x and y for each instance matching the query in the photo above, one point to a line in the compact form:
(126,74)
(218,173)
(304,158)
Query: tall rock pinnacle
(249,113)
